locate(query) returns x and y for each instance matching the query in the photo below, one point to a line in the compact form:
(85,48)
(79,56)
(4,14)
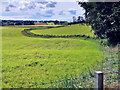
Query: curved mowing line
(26,32)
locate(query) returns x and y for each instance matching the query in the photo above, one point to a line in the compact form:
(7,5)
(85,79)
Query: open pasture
(77,29)
(28,60)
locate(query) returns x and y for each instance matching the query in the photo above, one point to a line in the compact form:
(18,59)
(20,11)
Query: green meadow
(77,29)
(29,60)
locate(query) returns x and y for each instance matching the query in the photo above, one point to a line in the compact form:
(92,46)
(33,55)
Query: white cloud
(66,0)
(16,17)
(68,12)
(25,5)
(28,7)
(37,9)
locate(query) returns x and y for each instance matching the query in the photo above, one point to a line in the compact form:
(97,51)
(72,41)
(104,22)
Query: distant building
(36,23)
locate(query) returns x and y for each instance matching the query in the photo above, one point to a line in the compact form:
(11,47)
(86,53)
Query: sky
(40,10)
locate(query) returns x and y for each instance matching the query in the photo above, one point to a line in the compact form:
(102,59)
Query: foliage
(104,17)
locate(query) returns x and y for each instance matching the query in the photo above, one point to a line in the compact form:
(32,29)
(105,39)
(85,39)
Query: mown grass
(77,29)
(29,60)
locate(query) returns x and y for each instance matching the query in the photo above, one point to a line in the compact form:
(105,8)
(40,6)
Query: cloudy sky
(40,9)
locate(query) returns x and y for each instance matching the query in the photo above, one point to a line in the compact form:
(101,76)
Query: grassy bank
(77,29)
(29,60)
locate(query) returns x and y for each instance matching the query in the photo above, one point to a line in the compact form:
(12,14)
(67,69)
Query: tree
(74,19)
(80,19)
(104,17)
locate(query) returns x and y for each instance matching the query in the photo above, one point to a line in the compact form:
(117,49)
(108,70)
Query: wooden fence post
(98,80)
(119,63)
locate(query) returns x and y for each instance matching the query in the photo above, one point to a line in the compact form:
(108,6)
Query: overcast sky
(40,9)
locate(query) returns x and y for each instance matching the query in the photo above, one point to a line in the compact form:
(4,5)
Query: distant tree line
(16,22)
(77,20)
(21,22)
(56,22)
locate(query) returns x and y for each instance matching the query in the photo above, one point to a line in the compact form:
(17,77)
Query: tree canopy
(104,17)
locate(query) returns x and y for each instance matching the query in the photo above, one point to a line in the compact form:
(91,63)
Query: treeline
(16,22)
(21,22)
(77,20)
(104,18)
(56,22)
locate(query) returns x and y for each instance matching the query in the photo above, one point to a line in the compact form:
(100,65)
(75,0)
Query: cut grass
(29,61)
(67,30)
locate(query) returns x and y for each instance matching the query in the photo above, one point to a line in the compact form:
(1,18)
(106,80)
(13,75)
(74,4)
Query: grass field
(29,60)
(68,30)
